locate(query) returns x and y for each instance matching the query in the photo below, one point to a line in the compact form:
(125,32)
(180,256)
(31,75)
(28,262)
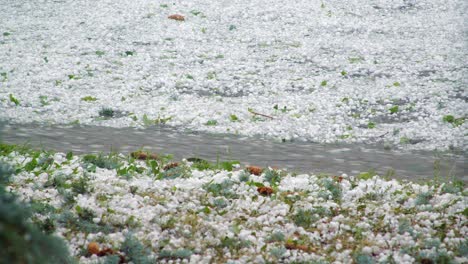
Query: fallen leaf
(338,178)
(144,155)
(255,170)
(93,248)
(267,191)
(292,246)
(171,165)
(177,17)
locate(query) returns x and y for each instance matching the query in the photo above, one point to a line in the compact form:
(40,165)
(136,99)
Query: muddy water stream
(295,156)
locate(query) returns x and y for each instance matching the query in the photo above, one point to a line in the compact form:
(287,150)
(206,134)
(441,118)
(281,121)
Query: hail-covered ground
(111,208)
(325,71)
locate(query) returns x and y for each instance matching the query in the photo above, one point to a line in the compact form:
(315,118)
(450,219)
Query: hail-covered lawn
(146,208)
(325,71)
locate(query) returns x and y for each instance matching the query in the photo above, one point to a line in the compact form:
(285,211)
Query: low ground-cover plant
(195,210)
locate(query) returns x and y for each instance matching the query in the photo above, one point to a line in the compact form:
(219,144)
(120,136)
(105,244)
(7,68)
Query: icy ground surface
(186,213)
(325,71)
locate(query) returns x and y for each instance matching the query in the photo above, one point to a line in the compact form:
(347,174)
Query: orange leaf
(255,170)
(267,191)
(93,248)
(177,17)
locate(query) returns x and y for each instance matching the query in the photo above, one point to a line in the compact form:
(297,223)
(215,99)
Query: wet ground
(295,156)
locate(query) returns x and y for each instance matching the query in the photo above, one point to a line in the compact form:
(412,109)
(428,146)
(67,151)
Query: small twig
(255,113)
(383,135)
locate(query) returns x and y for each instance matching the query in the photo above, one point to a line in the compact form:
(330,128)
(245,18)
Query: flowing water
(295,156)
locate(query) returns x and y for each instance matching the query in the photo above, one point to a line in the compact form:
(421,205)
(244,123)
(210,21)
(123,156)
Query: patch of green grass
(129,53)
(176,254)
(176,172)
(371,125)
(89,98)
(106,112)
(367,175)
(344,73)
(454,121)
(158,121)
(100,53)
(396,84)
(332,188)
(394,109)
(323,83)
(14,100)
(405,140)
(201,164)
(211,75)
(233,243)
(6,34)
(4,76)
(163,6)
(233,118)
(44,100)
(355,59)
(109,162)
(211,123)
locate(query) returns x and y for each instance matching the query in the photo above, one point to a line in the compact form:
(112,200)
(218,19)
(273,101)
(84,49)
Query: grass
(394,109)
(233,118)
(14,100)
(211,123)
(89,98)
(454,121)
(106,112)
(229,197)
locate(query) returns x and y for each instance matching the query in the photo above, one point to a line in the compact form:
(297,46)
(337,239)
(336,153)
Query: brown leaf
(338,178)
(255,170)
(141,155)
(292,246)
(171,165)
(93,248)
(177,17)
(105,252)
(267,191)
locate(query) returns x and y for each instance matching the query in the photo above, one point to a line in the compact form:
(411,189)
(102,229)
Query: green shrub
(221,189)
(423,198)
(273,177)
(106,112)
(109,162)
(176,254)
(135,251)
(20,240)
(276,237)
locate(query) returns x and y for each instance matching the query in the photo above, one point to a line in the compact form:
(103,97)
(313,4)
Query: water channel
(294,156)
